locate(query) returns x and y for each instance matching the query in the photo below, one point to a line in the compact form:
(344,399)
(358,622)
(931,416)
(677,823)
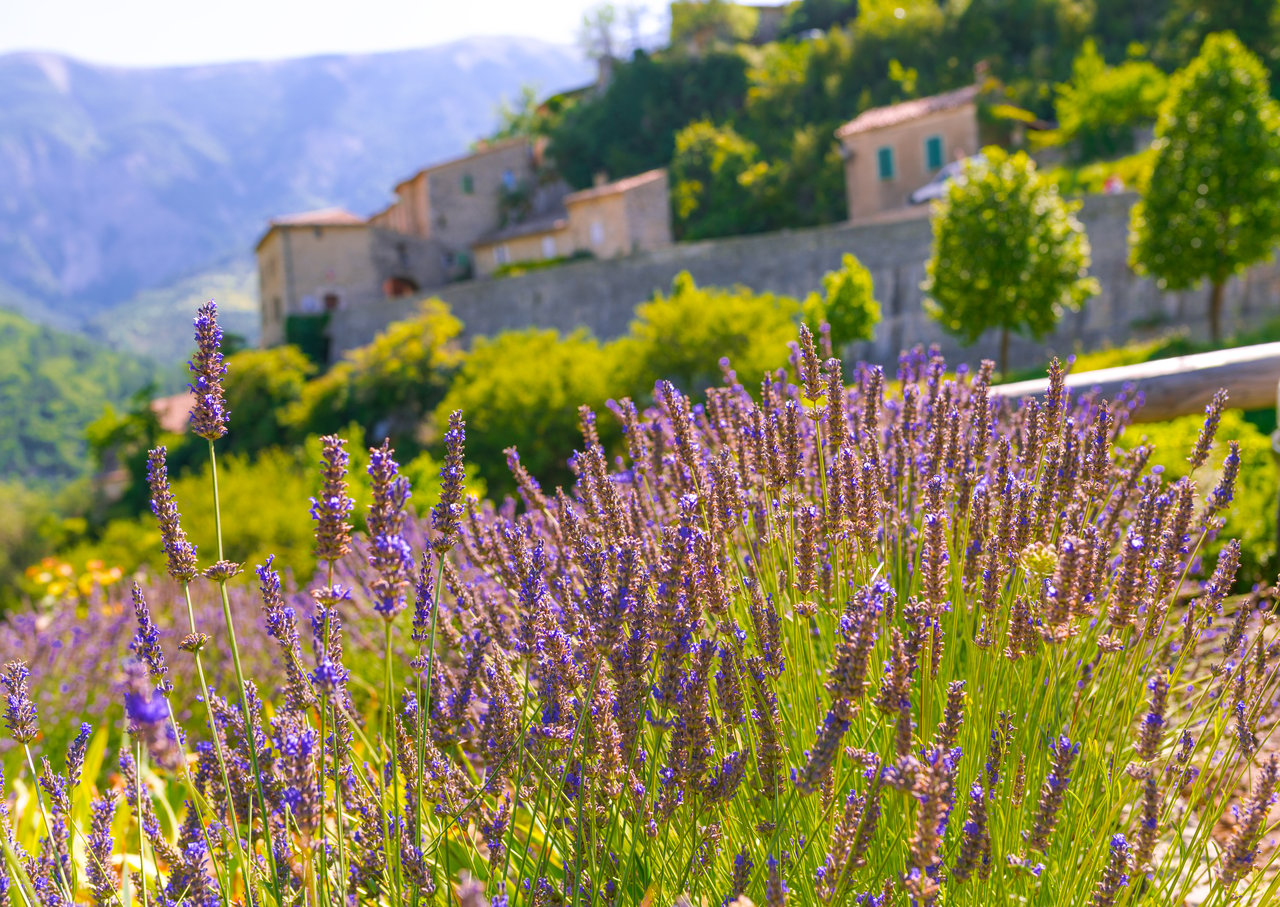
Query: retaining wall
(601,295)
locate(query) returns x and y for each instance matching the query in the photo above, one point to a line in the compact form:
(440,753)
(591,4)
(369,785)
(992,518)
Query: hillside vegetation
(748,130)
(52,385)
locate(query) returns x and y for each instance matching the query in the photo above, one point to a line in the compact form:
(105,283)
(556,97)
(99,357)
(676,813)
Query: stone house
(460,200)
(322,261)
(889,152)
(609,220)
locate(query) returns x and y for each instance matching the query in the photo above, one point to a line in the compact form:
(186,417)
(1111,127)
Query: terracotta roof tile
(615,188)
(880,117)
(323,217)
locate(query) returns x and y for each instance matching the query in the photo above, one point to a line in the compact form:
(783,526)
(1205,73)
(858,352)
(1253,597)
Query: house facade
(322,261)
(889,152)
(609,220)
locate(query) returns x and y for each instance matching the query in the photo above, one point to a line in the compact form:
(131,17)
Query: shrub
(1212,205)
(1008,253)
(847,304)
(390,385)
(1101,104)
(669,687)
(681,336)
(523,389)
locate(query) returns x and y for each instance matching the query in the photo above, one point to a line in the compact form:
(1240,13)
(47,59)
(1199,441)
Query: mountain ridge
(123,180)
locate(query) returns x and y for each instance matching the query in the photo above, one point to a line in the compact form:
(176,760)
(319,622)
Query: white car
(937,187)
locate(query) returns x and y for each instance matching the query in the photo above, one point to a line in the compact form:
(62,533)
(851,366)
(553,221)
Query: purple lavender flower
(1212,416)
(20,711)
(181,553)
(332,510)
(389,552)
(146,642)
(775,888)
(1053,793)
(209,413)
(445,516)
(1114,876)
(98,872)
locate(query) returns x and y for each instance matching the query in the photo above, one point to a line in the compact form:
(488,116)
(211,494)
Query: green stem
(249,725)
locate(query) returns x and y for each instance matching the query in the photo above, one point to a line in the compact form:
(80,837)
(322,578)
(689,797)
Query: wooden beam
(1182,385)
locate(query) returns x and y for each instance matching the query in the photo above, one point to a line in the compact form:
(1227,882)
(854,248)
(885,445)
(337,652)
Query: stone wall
(600,295)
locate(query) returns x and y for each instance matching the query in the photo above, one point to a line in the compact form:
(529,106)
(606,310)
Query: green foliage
(847,304)
(682,336)
(261,386)
(1212,206)
(523,389)
(52,386)
(1008,252)
(1133,171)
(390,385)
(516,268)
(701,24)
(1101,104)
(631,127)
(718,181)
(821,14)
(1252,515)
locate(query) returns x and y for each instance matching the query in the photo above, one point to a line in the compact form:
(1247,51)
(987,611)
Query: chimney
(599,178)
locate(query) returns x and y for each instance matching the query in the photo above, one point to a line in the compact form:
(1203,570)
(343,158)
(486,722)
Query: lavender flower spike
(332,510)
(181,553)
(1114,876)
(20,711)
(209,414)
(446,514)
(146,643)
(389,552)
(1242,850)
(1053,793)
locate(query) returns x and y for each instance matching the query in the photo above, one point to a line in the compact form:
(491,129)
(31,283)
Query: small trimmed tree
(1008,253)
(1212,205)
(847,303)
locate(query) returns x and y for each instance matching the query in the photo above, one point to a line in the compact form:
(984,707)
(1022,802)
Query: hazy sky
(164,32)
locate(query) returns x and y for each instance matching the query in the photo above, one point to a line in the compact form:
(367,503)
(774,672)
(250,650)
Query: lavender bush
(825,644)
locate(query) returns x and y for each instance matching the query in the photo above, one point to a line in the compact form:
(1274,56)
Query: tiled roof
(322,217)
(880,117)
(173,412)
(544,224)
(615,188)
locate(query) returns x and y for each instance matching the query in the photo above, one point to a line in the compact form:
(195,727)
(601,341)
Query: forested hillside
(748,129)
(52,385)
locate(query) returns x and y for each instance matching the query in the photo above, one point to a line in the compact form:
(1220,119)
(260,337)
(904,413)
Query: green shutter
(933,152)
(884,163)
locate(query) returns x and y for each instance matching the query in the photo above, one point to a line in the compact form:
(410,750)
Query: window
(548,247)
(933,153)
(500,255)
(884,163)
(509,180)
(597,233)
(331,302)
(276,311)
(468,184)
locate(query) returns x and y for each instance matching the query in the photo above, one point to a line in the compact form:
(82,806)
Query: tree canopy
(1008,253)
(1212,206)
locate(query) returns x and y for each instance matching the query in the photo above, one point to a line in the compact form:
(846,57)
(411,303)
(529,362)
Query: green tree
(1098,108)
(1008,253)
(682,336)
(847,304)
(719,183)
(1212,205)
(522,389)
(700,24)
(261,385)
(389,385)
